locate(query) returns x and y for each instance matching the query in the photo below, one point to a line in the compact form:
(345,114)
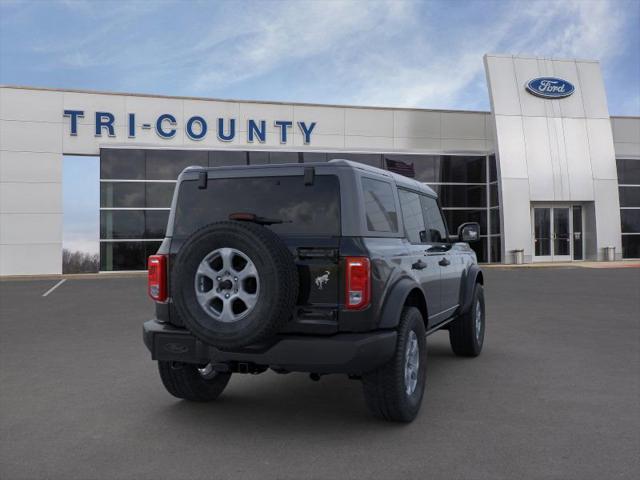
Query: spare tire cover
(234,284)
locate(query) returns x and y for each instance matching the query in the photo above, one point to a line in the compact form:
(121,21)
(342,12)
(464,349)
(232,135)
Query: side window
(436,231)
(380,207)
(412,216)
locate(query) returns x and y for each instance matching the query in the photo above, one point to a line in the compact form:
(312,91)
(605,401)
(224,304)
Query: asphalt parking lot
(555,394)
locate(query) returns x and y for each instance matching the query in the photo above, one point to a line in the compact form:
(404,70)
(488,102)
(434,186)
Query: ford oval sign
(550,87)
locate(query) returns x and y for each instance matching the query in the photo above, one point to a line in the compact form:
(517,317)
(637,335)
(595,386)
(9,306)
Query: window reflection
(412,216)
(167,164)
(451,176)
(159,195)
(122,195)
(470,196)
(222,158)
(122,164)
(380,208)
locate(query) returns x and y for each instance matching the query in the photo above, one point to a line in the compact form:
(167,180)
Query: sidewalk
(577,264)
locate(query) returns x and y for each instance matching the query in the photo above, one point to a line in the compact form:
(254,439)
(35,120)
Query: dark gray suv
(322,268)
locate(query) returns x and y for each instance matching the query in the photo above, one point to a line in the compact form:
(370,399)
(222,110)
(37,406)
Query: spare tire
(234,284)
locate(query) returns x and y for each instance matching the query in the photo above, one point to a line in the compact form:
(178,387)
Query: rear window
(304,209)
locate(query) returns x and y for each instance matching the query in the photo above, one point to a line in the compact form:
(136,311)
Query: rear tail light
(357,283)
(157,279)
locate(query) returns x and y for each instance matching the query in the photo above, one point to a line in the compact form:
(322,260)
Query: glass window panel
(308,157)
(155,223)
(122,195)
(412,216)
(494,199)
(480,247)
(630,221)
(471,196)
(421,167)
(629,196)
(578,238)
(305,209)
(258,158)
(628,171)
(455,218)
(167,164)
(122,164)
(151,248)
(495,220)
(221,158)
(373,159)
(123,256)
(121,224)
(462,169)
(631,246)
(496,252)
(493,169)
(400,164)
(284,157)
(159,195)
(380,207)
(436,230)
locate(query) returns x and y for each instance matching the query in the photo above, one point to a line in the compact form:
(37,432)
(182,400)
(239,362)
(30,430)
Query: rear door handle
(444,262)
(419,265)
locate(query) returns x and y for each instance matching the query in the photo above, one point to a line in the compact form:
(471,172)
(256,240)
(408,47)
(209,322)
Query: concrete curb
(617,264)
(74,276)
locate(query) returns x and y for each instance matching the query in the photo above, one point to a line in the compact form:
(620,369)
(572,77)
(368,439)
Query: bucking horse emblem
(322,280)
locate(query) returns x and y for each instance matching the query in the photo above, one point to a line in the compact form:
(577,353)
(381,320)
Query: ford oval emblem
(550,87)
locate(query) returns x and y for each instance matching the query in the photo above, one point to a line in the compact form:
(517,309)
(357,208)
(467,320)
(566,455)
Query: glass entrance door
(561,234)
(542,233)
(557,233)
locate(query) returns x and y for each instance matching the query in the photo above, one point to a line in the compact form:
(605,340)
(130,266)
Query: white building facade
(547,172)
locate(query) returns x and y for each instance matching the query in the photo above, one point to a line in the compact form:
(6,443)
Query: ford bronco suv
(322,268)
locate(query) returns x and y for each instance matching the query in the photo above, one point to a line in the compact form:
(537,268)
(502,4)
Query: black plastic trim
(351,353)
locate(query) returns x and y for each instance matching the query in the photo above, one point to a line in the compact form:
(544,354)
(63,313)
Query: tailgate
(320,284)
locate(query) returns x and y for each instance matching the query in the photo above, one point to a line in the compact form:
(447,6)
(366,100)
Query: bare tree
(79,262)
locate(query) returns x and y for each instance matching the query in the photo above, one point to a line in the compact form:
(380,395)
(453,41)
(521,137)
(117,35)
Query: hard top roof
(399,180)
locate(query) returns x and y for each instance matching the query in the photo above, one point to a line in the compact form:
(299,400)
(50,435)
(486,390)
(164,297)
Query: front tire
(466,333)
(191,382)
(394,391)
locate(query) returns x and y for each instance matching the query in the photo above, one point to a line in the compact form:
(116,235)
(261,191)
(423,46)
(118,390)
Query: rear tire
(188,381)
(466,333)
(389,392)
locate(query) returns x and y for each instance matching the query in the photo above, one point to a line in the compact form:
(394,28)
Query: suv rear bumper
(352,353)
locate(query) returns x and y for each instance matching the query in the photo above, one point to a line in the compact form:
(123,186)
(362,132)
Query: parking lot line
(54,287)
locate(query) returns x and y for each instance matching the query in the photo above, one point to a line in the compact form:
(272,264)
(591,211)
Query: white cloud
(562,29)
(387,52)
(276,37)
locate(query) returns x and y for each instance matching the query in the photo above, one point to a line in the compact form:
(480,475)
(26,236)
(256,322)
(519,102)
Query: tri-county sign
(196,127)
(550,87)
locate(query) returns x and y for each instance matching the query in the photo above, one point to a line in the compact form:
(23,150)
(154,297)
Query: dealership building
(548,173)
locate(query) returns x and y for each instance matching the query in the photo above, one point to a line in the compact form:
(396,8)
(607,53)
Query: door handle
(444,262)
(419,265)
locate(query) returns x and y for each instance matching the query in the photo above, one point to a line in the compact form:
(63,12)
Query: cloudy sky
(391,53)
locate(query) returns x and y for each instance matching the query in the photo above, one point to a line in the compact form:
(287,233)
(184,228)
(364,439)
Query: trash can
(610,253)
(518,257)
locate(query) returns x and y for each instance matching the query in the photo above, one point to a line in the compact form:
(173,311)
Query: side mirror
(469,232)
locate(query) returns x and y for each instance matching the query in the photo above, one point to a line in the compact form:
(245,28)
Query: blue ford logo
(550,87)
